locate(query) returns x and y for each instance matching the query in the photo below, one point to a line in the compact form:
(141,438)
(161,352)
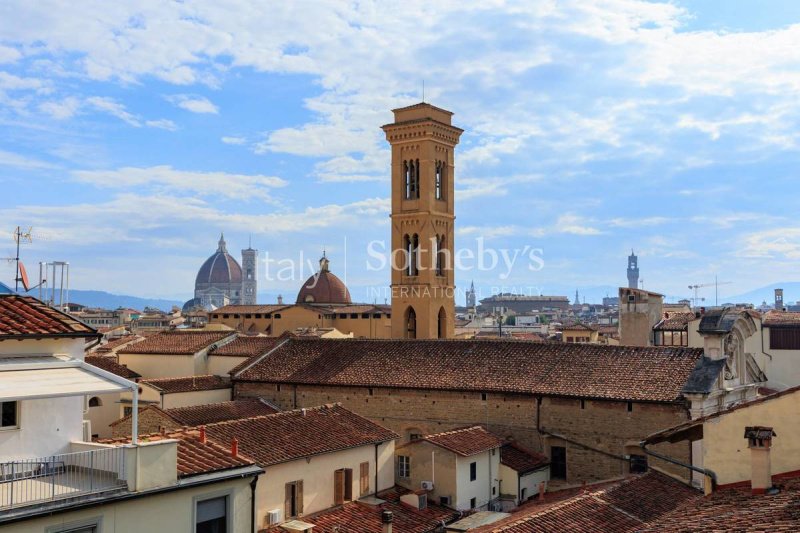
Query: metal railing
(69,475)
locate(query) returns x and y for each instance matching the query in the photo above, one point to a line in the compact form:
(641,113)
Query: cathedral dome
(220,267)
(323,287)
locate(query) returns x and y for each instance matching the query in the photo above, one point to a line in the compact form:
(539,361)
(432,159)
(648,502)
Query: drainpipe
(253,518)
(376,467)
(705,471)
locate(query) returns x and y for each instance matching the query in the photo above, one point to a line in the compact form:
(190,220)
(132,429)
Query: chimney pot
(541,491)
(203,434)
(235,447)
(759,440)
(386,520)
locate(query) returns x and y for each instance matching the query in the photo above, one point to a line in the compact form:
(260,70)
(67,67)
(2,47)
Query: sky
(134,133)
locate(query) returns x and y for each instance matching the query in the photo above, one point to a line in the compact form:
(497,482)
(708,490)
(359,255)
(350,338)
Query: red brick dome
(324,287)
(220,267)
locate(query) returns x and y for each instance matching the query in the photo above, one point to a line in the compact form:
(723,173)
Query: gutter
(705,471)
(253,518)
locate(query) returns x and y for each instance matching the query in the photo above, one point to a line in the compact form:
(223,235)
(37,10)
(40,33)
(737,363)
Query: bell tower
(423,283)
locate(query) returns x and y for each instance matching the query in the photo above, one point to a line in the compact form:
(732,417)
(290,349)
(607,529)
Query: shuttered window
(342,485)
(293,506)
(364,478)
(784,338)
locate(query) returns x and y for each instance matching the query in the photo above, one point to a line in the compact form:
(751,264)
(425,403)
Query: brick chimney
(386,519)
(759,440)
(235,447)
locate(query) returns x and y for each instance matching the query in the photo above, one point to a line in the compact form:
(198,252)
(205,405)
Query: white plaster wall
(317,475)
(531,482)
(102,416)
(221,365)
(782,367)
(165,512)
(71,347)
(185,399)
(47,426)
(488,469)
(160,366)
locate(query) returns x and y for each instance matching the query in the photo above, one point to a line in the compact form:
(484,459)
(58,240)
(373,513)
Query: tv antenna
(21,236)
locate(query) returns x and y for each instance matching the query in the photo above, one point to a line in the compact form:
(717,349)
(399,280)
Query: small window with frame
(9,415)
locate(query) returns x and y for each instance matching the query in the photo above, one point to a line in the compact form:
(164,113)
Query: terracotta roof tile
(176,342)
(290,435)
(465,441)
(616,508)
(110,364)
(736,510)
(25,316)
(556,369)
(242,309)
(244,346)
(520,459)
(675,322)
(197,415)
(188,384)
(115,344)
(781,319)
(194,457)
(359,517)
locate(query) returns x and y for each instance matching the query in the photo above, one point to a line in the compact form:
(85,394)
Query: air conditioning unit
(87,431)
(273,517)
(427,485)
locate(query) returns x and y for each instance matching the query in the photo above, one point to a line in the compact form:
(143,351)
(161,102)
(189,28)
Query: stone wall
(607,426)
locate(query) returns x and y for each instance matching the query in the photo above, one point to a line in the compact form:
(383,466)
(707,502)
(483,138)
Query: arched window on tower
(407,178)
(407,254)
(411,323)
(412,180)
(442,324)
(416,178)
(440,255)
(413,256)
(439,182)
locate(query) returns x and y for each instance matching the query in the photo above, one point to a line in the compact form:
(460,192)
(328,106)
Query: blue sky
(132,135)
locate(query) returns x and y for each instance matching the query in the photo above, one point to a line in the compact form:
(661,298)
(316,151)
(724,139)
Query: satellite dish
(23,277)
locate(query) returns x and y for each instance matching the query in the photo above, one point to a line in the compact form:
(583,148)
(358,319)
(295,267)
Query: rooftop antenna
(21,236)
(423,91)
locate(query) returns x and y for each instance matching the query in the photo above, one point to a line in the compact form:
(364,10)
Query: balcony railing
(57,477)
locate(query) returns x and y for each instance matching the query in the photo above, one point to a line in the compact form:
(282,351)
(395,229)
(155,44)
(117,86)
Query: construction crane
(716,285)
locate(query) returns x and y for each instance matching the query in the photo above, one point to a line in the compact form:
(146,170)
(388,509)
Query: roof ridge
(275,415)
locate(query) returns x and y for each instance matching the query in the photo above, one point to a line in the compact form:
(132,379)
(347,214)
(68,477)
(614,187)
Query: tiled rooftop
(360,517)
(781,318)
(117,343)
(188,384)
(291,435)
(109,364)
(197,415)
(675,322)
(240,309)
(194,457)
(176,342)
(465,441)
(244,346)
(625,506)
(25,316)
(520,459)
(736,510)
(557,369)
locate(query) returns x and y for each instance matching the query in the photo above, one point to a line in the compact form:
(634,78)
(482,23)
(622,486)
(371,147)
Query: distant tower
(779,299)
(471,296)
(423,142)
(633,271)
(577,300)
(249,275)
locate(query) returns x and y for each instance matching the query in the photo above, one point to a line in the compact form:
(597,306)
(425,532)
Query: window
(414,436)
(81,526)
(583,403)
(441,324)
(363,478)
(473,471)
(277,315)
(353,315)
(293,504)
(211,516)
(439,180)
(342,486)
(638,464)
(558,462)
(9,415)
(94,401)
(444,501)
(403,466)
(630,407)
(411,323)
(483,396)
(127,411)
(784,338)
(523,495)
(473,503)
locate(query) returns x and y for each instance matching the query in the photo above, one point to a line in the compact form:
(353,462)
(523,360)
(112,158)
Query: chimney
(303,410)
(386,520)
(202,437)
(759,440)
(235,447)
(541,491)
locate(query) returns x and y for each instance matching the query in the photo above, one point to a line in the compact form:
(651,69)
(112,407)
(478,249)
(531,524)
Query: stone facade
(612,428)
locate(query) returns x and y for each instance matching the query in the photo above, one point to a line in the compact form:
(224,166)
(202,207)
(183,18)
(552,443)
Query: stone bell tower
(423,283)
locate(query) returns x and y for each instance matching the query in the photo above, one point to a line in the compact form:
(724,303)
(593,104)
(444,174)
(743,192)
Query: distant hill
(791,294)
(107,300)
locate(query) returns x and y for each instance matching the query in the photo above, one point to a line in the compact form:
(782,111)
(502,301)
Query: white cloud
(777,242)
(164,124)
(164,177)
(113,108)
(575,225)
(61,110)
(11,159)
(8,54)
(233,140)
(195,104)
